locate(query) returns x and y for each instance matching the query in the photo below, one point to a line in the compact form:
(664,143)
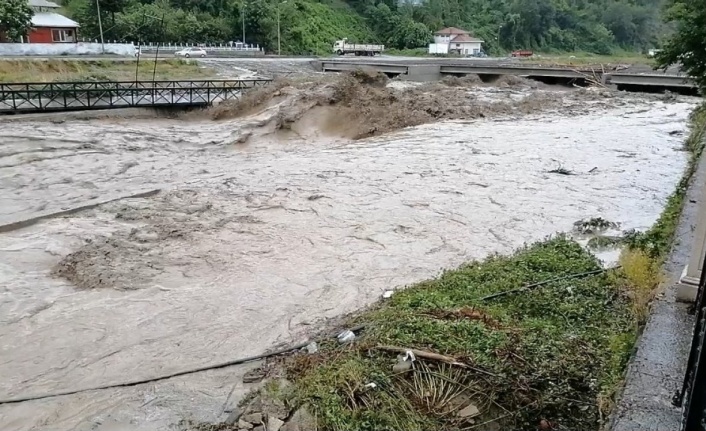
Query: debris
(254,376)
(424,355)
(468,412)
(388,294)
(594,225)
(561,171)
(346,336)
(371,385)
(594,169)
(312,348)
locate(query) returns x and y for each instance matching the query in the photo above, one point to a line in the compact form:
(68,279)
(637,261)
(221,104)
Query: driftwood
(424,355)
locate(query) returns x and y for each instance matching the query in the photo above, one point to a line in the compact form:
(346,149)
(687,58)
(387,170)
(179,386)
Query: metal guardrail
(692,397)
(17,98)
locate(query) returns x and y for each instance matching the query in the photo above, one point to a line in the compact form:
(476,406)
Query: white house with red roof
(49,26)
(458,41)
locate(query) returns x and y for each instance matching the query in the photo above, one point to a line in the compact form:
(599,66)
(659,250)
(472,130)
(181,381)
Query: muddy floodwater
(245,247)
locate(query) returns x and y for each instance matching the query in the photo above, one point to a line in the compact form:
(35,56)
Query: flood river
(246,247)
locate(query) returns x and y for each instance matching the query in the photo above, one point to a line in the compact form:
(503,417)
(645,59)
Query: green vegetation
(101,70)
(688,44)
(543,354)
(311,26)
(15,19)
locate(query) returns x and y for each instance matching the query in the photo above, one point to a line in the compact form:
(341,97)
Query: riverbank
(483,354)
(66,70)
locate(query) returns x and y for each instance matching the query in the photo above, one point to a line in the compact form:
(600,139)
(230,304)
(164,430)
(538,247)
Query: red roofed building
(459,41)
(49,26)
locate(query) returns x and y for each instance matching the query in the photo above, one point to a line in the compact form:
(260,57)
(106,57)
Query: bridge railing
(65,96)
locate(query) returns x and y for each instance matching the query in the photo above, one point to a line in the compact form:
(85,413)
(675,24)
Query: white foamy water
(248,247)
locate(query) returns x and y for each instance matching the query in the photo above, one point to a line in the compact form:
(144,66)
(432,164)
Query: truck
(439,48)
(342,47)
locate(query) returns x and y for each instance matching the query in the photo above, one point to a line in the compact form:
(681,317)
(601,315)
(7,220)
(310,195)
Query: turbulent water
(245,247)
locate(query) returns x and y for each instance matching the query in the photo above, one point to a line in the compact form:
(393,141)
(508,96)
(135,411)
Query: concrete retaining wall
(52,49)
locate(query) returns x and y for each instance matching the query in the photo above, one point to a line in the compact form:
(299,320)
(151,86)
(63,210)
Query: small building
(458,41)
(49,26)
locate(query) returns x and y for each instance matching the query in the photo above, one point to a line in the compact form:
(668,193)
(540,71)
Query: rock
(276,408)
(468,412)
(259,428)
(234,415)
(253,418)
(274,424)
(301,420)
(245,425)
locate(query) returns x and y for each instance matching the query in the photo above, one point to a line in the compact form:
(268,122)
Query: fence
(169,46)
(693,394)
(20,98)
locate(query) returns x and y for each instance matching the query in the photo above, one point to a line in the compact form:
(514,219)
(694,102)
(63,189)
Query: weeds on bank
(544,354)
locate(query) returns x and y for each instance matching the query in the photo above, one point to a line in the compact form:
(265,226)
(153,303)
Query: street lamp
(279,34)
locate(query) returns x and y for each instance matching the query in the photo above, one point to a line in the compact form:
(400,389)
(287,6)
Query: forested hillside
(310,26)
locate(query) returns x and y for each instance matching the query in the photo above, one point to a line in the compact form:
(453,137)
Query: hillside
(310,26)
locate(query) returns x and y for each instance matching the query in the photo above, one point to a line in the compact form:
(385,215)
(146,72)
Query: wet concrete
(657,370)
(250,246)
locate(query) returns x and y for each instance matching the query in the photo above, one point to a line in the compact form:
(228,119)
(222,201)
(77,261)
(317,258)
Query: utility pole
(279,34)
(242,14)
(100,26)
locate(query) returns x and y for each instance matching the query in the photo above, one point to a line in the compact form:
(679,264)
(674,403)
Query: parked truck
(342,47)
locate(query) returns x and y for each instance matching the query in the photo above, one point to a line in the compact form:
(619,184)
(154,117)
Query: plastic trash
(388,294)
(312,348)
(346,336)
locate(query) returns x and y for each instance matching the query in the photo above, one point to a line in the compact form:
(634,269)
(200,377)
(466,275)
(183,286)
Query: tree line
(310,26)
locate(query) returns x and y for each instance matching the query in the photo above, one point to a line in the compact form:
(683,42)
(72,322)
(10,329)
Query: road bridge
(431,71)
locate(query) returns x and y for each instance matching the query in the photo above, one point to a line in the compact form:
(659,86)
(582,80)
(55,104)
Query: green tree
(688,44)
(15,18)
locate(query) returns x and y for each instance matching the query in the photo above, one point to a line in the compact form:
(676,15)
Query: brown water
(249,246)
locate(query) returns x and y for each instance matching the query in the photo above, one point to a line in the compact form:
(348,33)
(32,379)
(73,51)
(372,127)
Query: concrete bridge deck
(431,71)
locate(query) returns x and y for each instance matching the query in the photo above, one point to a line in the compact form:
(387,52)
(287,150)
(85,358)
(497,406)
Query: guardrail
(692,396)
(215,47)
(17,98)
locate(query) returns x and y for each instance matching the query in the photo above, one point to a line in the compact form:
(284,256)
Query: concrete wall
(50,49)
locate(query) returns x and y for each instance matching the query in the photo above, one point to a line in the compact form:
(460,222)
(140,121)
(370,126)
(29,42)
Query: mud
(252,243)
(361,105)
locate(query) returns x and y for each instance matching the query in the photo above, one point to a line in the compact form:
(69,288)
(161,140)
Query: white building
(456,41)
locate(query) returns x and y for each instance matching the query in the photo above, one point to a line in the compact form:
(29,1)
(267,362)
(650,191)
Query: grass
(63,70)
(553,357)
(544,354)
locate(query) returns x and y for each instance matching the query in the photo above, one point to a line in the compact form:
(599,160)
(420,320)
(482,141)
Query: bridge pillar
(422,73)
(689,281)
